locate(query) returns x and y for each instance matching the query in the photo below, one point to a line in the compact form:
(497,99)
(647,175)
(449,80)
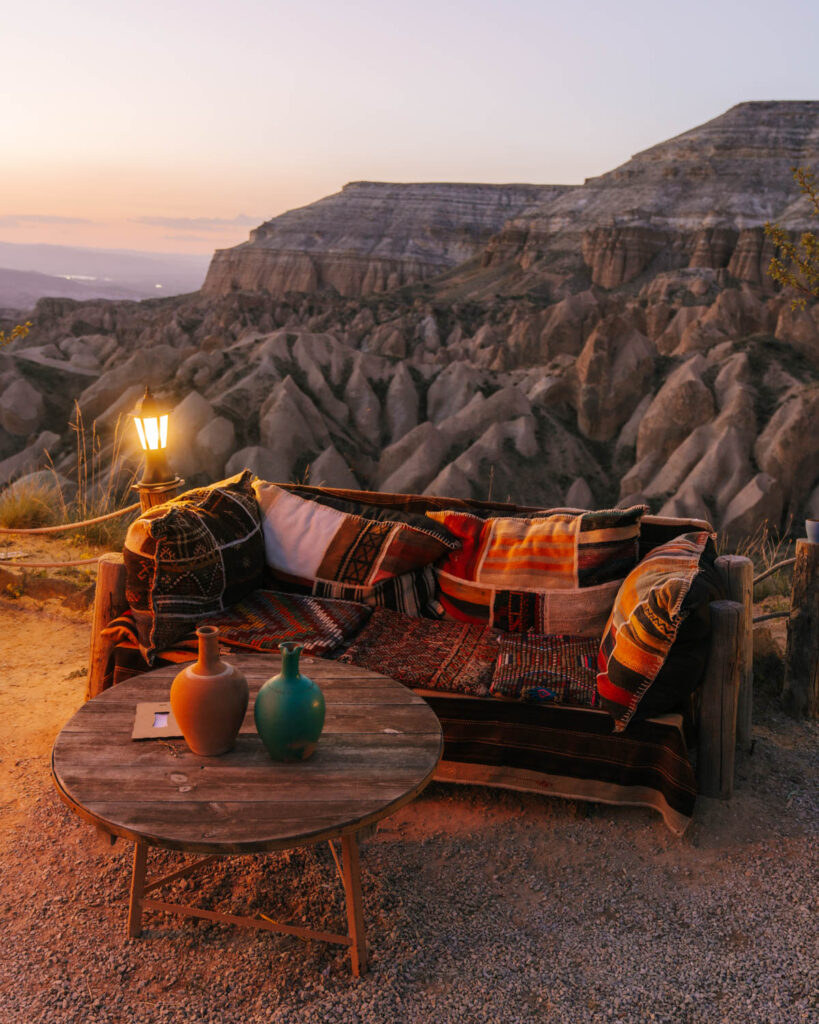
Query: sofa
(591,655)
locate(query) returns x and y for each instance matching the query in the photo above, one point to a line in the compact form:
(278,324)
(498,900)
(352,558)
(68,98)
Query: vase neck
(209,662)
(290,660)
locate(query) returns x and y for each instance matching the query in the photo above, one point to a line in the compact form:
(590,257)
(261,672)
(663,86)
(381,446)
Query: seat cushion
(553,669)
(553,574)
(659,594)
(191,557)
(450,656)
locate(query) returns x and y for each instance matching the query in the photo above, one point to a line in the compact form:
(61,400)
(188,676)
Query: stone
(30,459)
(22,408)
(788,447)
(266,464)
(613,373)
(425,446)
(452,389)
(402,404)
(579,495)
(364,406)
(149,367)
(682,404)
(292,427)
(331,470)
(465,425)
(760,501)
(214,444)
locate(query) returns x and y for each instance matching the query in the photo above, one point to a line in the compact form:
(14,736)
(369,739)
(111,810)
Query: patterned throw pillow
(190,557)
(654,600)
(449,656)
(342,550)
(554,574)
(559,669)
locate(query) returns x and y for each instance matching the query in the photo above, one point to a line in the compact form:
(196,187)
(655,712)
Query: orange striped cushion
(508,568)
(647,613)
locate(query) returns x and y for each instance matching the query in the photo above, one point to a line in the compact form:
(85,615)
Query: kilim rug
(267,618)
(559,669)
(452,656)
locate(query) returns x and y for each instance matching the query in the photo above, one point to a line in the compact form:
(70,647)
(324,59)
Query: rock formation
(608,343)
(370,237)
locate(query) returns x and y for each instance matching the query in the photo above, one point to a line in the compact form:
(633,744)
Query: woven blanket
(569,752)
(559,669)
(450,656)
(260,622)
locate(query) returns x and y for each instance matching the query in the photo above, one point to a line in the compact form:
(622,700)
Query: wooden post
(718,703)
(137,889)
(355,911)
(109,602)
(738,574)
(800,694)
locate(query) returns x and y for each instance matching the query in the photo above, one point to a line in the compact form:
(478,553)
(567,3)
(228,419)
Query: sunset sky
(178,125)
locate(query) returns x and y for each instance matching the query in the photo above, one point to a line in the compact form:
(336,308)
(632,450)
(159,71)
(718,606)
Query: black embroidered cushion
(190,557)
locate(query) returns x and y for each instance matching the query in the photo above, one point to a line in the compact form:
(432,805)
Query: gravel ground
(481,906)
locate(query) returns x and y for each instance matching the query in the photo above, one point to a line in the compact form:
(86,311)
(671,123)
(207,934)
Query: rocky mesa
(613,342)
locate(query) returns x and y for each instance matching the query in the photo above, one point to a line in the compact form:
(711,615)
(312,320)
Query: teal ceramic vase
(289,710)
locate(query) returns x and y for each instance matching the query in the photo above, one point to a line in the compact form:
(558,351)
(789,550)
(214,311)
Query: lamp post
(158,483)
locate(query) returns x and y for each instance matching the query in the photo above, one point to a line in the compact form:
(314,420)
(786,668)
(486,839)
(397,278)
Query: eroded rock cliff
(618,342)
(371,237)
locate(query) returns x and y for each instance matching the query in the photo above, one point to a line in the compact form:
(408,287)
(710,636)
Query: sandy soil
(481,905)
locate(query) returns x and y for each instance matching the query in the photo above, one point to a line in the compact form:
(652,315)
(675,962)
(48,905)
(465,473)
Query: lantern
(158,483)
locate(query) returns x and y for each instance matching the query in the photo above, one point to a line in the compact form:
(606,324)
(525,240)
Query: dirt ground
(744,866)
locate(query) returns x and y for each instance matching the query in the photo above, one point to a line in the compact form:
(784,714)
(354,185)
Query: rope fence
(784,564)
(61,529)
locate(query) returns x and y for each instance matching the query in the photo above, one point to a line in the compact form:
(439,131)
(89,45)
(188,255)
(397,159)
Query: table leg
(137,889)
(355,910)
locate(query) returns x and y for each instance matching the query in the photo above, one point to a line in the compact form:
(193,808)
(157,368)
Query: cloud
(200,224)
(19,220)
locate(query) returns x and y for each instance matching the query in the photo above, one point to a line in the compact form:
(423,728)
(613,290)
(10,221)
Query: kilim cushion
(265,619)
(450,656)
(338,550)
(654,600)
(532,666)
(553,574)
(192,556)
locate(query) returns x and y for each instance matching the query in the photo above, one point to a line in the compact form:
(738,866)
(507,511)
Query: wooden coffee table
(380,746)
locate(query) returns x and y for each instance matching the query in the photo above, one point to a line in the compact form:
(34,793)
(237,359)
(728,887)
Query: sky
(178,125)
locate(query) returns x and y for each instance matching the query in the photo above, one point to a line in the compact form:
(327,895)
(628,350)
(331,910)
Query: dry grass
(766,547)
(28,506)
(103,479)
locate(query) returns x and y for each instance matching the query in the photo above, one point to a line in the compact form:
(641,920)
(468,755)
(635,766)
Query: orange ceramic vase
(209,699)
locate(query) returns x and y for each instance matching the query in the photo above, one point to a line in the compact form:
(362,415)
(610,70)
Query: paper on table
(154,721)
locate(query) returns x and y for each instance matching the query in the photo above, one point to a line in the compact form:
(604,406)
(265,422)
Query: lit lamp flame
(158,482)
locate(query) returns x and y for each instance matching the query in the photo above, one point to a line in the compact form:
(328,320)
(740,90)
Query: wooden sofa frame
(725,705)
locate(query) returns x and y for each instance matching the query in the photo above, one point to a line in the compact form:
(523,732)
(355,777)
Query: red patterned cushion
(552,574)
(190,557)
(448,656)
(559,669)
(648,611)
(338,550)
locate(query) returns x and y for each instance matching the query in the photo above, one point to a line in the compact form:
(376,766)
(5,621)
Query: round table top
(380,746)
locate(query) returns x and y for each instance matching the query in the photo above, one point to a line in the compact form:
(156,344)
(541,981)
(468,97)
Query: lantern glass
(152,431)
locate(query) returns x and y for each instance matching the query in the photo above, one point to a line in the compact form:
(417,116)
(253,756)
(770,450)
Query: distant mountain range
(32,272)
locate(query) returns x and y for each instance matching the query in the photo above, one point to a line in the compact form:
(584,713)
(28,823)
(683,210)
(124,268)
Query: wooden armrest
(109,602)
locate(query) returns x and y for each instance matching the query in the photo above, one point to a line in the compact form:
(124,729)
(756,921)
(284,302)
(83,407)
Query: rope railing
(774,568)
(60,529)
(71,526)
(784,564)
